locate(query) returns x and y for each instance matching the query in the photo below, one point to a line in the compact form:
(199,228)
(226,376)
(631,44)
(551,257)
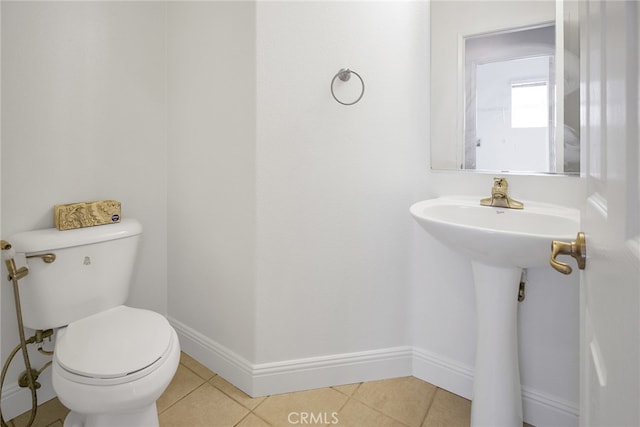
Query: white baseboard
(297,374)
(325,371)
(16,400)
(224,362)
(443,372)
(543,409)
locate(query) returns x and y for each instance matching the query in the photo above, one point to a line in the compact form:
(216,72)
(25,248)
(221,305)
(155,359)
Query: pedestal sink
(500,242)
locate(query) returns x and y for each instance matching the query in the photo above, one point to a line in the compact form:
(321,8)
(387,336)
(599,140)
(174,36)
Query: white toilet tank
(91,273)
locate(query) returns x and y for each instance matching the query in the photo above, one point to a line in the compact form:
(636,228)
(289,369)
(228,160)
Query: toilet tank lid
(52,238)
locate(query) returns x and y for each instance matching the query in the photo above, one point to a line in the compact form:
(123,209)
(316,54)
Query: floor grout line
(261,419)
(190,392)
(433,399)
(379,411)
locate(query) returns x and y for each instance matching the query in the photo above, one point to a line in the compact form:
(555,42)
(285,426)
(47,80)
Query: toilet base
(147,417)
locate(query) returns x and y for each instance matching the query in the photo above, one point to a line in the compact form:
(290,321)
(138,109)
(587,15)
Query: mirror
(505,86)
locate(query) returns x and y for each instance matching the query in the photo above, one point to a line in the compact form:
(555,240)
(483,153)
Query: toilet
(110,362)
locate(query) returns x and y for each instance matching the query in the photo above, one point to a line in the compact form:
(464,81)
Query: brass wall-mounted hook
(577,249)
(14,272)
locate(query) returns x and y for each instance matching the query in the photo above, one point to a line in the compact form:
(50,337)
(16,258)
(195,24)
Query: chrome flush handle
(576,249)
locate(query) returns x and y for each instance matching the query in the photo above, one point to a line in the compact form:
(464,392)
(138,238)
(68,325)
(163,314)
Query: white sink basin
(500,242)
(497,236)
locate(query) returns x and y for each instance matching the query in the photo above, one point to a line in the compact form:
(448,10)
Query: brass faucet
(499,196)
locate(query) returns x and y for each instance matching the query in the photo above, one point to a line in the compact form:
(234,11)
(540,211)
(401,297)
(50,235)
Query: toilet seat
(115,346)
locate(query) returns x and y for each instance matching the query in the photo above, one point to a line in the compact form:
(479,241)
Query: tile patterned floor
(197,397)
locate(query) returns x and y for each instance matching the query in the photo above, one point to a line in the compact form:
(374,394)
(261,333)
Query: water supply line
(29,377)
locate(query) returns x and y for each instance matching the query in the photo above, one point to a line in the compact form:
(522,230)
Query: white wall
(334,182)
(211,173)
(83,113)
(304,249)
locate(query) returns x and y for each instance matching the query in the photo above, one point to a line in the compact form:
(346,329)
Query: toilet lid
(113,343)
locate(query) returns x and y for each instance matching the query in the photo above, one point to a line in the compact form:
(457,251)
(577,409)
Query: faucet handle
(500,185)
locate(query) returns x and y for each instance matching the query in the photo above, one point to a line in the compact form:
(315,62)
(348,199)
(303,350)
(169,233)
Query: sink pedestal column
(497,396)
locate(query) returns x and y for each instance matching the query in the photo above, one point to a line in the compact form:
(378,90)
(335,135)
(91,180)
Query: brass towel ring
(345,74)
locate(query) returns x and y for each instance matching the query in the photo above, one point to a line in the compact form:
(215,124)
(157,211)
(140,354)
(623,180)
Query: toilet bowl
(111,367)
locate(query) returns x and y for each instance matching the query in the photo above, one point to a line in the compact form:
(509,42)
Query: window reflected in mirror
(509,89)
